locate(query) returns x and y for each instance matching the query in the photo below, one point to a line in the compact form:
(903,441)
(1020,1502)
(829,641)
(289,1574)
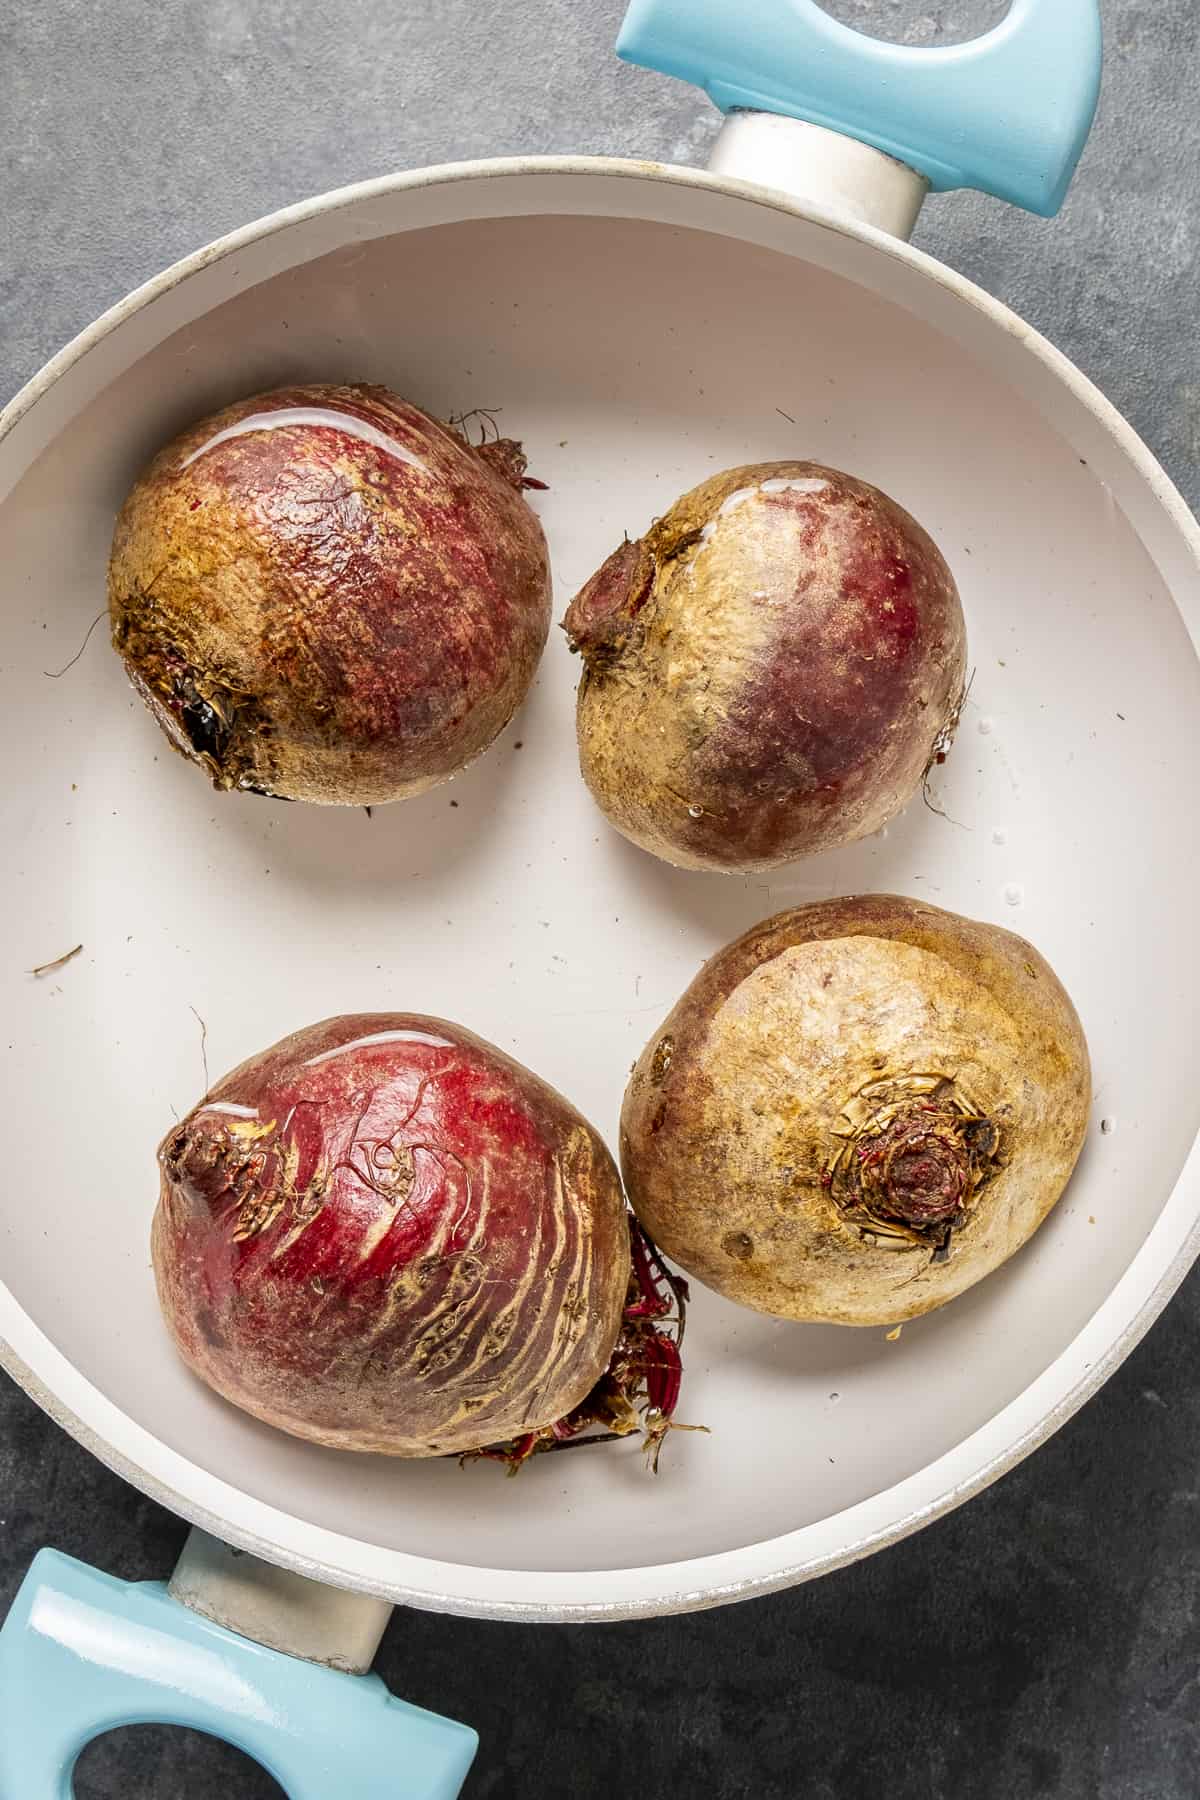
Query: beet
(857,1111)
(769,672)
(383,1234)
(324,594)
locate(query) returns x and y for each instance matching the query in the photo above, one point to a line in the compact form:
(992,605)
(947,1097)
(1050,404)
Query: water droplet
(835,1397)
(1108,1126)
(999,836)
(695,812)
(986,727)
(1013,894)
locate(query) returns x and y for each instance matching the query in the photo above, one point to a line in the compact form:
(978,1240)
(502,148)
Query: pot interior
(632,358)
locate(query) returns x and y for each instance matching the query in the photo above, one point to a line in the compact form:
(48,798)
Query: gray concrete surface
(1046,1640)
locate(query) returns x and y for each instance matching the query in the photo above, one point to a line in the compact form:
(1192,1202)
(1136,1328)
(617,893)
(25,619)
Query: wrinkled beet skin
(769,672)
(313,616)
(412,1246)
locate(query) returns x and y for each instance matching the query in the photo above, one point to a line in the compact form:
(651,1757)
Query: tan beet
(857,1111)
(325,594)
(769,672)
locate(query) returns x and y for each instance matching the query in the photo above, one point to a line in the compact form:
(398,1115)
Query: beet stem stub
(508,460)
(599,619)
(913,1154)
(923,1172)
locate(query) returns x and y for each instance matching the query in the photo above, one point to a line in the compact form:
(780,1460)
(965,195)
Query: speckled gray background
(1046,1640)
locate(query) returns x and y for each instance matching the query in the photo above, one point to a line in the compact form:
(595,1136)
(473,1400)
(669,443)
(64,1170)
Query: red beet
(323,593)
(384,1234)
(769,672)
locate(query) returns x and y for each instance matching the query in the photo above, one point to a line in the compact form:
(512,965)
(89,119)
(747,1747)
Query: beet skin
(324,594)
(769,672)
(383,1234)
(857,1110)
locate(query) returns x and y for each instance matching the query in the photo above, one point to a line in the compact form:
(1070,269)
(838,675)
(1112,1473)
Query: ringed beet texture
(383,1234)
(769,672)
(324,594)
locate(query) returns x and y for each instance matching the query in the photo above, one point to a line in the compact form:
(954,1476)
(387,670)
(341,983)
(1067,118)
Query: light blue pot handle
(81,1653)
(1009,113)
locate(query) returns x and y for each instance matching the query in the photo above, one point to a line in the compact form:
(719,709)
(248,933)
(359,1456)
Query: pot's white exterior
(901,335)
